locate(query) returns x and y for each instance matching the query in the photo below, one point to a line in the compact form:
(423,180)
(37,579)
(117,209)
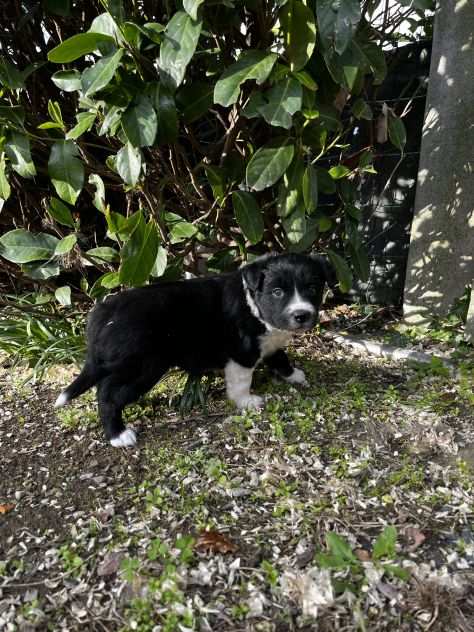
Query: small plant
(129,568)
(340,556)
(271,573)
(73,563)
(185,545)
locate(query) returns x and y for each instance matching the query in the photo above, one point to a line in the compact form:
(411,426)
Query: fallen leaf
(6,508)
(214,542)
(109,565)
(362,555)
(324,317)
(415,538)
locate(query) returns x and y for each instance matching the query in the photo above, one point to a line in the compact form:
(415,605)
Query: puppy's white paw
(297,377)
(62,400)
(126,439)
(251,402)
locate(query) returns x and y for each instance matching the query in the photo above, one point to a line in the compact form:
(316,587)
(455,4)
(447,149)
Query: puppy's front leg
(238,380)
(279,363)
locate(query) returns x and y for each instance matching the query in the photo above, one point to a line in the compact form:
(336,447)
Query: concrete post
(441,257)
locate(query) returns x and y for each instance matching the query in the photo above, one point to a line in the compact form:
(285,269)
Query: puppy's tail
(83,382)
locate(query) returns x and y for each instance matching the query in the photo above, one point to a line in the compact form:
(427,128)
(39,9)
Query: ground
(347,505)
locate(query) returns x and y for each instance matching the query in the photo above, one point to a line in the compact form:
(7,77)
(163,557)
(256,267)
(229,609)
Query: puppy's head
(286,291)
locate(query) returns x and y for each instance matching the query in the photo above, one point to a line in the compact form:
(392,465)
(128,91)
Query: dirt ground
(347,505)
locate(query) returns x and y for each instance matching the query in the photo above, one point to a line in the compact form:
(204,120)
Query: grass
(43,339)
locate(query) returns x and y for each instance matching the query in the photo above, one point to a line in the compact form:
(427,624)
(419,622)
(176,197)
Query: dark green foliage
(146,139)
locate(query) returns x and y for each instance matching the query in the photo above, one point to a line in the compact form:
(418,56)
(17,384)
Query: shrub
(142,139)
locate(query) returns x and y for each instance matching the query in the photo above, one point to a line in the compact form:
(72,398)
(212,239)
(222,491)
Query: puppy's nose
(301,316)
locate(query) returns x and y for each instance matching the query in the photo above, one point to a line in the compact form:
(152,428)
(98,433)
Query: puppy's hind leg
(113,395)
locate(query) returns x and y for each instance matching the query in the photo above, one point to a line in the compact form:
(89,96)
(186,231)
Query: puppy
(231,322)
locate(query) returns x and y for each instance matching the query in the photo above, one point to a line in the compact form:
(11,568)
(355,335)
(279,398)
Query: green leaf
(324,222)
(77,46)
(397,571)
(161,261)
(252,109)
(306,80)
(191,7)
(5,189)
(325,183)
(337,22)
(10,76)
(339,171)
(299,29)
(111,121)
(310,188)
(21,246)
(252,64)
(85,120)
(50,125)
(132,34)
(60,213)
(116,9)
(343,271)
(268,164)
(181,231)
(18,151)
(139,254)
(63,295)
(54,110)
(104,23)
(194,100)
(66,170)
(339,547)
(290,193)
(104,253)
(139,123)
(375,58)
(122,226)
(129,162)
(99,195)
(362,110)
(284,99)
(397,132)
(177,49)
(385,544)
(217,180)
(100,74)
(295,224)
(65,245)
(153,30)
(12,115)
(167,115)
(248,215)
(110,280)
(41,271)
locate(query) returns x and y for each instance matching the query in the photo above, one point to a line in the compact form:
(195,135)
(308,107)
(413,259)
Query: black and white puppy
(231,322)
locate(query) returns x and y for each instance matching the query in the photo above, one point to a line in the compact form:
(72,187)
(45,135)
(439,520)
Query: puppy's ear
(254,274)
(328,270)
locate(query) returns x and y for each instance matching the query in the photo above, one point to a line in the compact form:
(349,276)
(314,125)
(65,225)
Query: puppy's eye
(313,289)
(277,292)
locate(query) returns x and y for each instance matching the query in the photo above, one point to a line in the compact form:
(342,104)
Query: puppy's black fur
(231,322)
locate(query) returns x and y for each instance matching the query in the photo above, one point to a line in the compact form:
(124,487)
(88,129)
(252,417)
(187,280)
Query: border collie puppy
(231,322)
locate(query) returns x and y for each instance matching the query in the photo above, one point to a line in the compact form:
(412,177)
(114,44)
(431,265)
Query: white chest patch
(273,340)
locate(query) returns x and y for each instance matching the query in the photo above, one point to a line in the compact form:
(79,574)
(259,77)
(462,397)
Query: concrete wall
(441,256)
